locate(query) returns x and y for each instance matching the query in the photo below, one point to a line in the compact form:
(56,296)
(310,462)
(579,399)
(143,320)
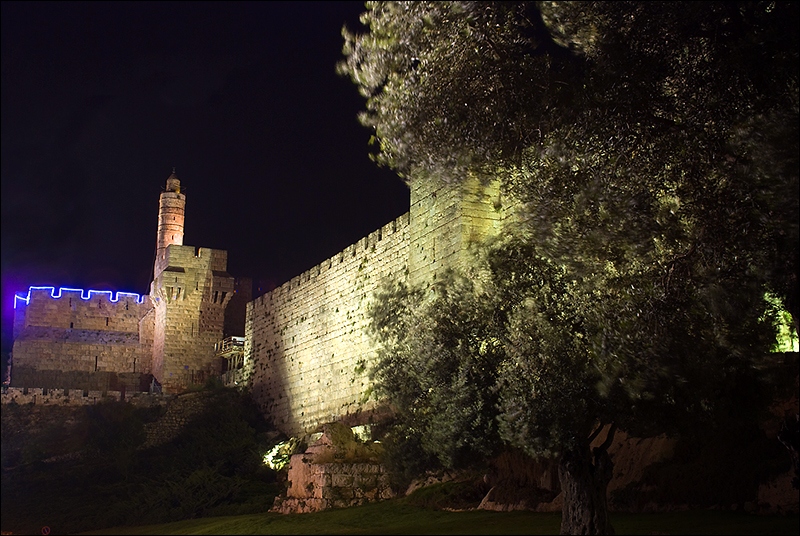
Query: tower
(171,213)
(190,291)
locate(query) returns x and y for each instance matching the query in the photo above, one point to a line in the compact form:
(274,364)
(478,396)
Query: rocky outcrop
(337,471)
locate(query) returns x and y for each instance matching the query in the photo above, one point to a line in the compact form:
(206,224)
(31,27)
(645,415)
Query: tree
(521,352)
(439,366)
(652,150)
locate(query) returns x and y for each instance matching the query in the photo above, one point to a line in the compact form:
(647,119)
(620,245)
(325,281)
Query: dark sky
(101,99)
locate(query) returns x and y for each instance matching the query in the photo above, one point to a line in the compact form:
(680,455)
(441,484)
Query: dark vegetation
(81,469)
(78,469)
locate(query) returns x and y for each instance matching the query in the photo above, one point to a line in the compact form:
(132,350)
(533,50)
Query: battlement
(77,397)
(74,308)
(179,256)
(92,296)
(353,250)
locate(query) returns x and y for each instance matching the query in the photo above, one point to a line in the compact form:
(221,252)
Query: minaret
(171,208)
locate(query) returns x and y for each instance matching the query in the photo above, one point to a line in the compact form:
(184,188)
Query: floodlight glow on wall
(83,294)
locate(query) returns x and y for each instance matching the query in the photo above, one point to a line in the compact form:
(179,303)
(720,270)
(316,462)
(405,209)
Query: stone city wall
(75,331)
(38,396)
(79,379)
(446,222)
(306,343)
(78,309)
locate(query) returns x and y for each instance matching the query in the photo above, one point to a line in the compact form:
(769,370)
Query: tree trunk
(584,476)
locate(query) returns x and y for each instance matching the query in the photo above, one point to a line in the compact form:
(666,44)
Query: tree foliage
(650,152)
(624,126)
(535,358)
(439,365)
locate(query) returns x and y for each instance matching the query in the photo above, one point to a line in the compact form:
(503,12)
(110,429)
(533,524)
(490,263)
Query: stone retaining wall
(75,397)
(319,486)
(180,411)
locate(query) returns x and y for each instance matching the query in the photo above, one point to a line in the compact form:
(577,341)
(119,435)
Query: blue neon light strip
(84,295)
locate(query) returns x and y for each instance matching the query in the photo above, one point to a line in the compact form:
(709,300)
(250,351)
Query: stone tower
(171,213)
(190,290)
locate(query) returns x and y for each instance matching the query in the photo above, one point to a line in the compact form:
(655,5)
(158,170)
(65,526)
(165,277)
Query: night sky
(100,100)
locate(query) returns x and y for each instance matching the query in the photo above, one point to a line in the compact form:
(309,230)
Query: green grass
(398,517)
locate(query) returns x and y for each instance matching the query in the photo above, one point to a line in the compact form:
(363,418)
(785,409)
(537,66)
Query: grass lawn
(396,517)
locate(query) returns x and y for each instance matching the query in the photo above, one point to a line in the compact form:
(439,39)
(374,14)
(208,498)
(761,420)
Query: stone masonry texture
(307,352)
(306,343)
(71,339)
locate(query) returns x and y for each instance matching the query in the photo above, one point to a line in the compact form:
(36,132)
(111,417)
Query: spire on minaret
(173,184)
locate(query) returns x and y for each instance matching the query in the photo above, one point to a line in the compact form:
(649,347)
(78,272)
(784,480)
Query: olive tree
(651,149)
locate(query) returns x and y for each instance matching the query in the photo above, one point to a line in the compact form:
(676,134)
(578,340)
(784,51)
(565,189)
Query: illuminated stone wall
(307,352)
(306,343)
(76,331)
(75,339)
(445,222)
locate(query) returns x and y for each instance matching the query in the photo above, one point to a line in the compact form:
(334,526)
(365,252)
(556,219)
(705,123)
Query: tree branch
(609,438)
(596,432)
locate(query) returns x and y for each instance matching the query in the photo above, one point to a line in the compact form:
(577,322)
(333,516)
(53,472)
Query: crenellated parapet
(74,308)
(85,295)
(189,270)
(63,331)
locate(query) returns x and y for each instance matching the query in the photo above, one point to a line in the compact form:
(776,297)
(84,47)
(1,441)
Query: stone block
(342,480)
(336,494)
(365,481)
